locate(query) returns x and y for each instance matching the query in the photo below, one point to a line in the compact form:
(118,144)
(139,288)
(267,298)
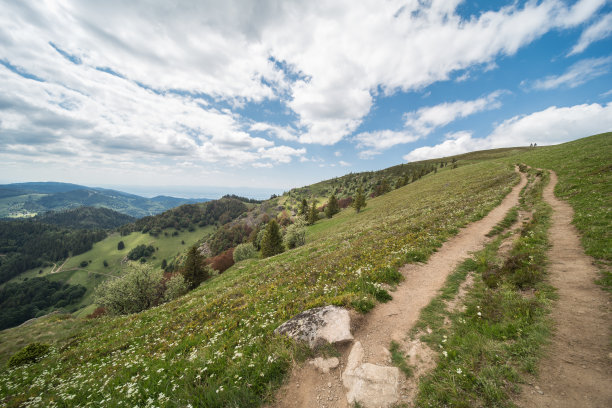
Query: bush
(295,235)
(141,252)
(175,287)
(139,289)
(244,251)
(84,264)
(223,261)
(29,354)
(120,245)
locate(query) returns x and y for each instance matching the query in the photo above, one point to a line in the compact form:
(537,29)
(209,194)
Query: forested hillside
(86,218)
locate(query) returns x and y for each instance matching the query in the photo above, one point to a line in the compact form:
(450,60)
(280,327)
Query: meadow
(215,346)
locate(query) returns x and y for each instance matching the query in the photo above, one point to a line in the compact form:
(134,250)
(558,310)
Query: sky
(276,94)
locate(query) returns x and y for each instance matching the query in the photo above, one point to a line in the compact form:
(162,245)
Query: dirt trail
(577,371)
(307,387)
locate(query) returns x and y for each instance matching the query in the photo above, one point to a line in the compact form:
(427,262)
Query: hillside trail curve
(392,321)
(577,368)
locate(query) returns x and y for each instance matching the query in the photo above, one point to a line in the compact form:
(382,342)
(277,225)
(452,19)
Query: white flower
(445,353)
(459,371)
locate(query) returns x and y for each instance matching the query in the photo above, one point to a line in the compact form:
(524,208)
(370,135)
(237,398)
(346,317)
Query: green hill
(20,200)
(215,346)
(86,218)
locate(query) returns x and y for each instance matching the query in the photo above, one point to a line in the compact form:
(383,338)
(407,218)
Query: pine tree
(194,271)
(313,214)
(332,206)
(120,245)
(303,207)
(272,242)
(359,201)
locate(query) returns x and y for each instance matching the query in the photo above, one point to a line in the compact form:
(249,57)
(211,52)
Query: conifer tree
(303,207)
(194,271)
(359,201)
(332,206)
(313,214)
(272,242)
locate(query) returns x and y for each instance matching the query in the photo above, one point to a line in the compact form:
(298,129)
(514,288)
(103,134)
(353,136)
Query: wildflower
(445,353)
(459,371)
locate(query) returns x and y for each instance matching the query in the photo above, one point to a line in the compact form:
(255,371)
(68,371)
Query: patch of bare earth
(577,371)
(307,387)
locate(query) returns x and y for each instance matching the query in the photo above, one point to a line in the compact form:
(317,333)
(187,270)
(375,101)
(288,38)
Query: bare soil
(392,321)
(577,371)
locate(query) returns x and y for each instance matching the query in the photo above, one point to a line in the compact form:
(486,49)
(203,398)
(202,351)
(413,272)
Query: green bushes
(295,234)
(139,289)
(29,354)
(140,252)
(176,287)
(244,251)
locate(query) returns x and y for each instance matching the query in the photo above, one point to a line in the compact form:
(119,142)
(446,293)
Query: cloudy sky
(279,94)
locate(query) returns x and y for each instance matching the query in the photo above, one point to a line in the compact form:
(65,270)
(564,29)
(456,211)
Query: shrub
(139,289)
(223,261)
(295,235)
(120,246)
(141,252)
(84,264)
(244,251)
(29,354)
(176,287)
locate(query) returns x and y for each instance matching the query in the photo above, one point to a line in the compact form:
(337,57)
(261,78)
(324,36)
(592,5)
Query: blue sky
(279,94)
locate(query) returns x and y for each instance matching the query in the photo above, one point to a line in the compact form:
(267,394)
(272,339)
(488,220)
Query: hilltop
(215,346)
(20,200)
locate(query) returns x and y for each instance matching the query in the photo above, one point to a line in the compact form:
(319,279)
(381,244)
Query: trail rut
(393,320)
(577,371)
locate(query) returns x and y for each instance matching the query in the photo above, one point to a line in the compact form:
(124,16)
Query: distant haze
(196,191)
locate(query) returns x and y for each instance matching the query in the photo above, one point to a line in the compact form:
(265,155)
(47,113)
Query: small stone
(328,385)
(324,365)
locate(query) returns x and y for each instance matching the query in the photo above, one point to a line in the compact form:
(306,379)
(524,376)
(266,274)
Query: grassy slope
(93,274)
(215,346)
(584,168)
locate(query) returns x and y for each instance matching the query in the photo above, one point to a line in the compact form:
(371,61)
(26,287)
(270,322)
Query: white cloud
(550,126)
(421,123)
(343,163)
(599,30)
(577,74)
(427,119)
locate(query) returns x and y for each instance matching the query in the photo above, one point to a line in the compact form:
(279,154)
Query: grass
(399,359)
(497,339)
(215,346)
(584,168)
(509,219)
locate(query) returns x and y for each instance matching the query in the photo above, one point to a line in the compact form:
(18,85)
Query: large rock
(370,385)
(329,324)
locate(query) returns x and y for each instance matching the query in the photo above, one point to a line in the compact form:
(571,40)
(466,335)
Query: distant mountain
(20,200)
(86,218)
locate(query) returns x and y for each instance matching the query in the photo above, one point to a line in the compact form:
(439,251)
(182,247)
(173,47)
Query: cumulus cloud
(599,30)
(576,75)
(550,126)
(424,121)
(114,80)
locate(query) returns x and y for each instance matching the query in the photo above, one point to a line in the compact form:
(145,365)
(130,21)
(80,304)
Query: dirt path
(307,387)
(577,371)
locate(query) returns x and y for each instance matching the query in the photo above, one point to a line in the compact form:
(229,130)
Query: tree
(332,206)
(295,235)
(303,207)
(164,264)
(176,287)
(313,214)
(120,246)
(194,270)
(272,242)
(359,201)
(244,251)
(139,289)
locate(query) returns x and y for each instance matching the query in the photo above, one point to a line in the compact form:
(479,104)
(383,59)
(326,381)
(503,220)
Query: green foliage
(176,287)
(303,207)
(140,252)
(105,263)
(120,246)
(139,289)
(332,206)
(295,234)
(509,219)
(313,214)
(194,270)
(359,201)
(21,301)
(228,236)
(245,251)
(27,244)
(29,354)
(272,242)
(86,218)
